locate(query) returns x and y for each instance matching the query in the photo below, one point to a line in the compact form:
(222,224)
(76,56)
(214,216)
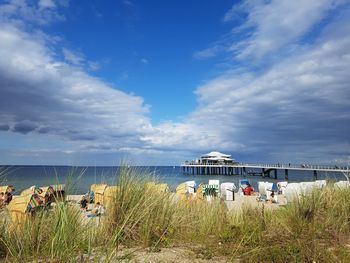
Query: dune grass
(314,228)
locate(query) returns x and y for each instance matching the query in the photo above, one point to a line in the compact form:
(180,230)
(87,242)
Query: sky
(160,82)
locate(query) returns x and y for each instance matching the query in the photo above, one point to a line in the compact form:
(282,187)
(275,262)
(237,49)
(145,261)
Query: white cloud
(278,23)
(301,102)
(144,61)
(23,12)
(294,109)
(208,52)
(46,4)
(72,57)
(41,92)
(269,27)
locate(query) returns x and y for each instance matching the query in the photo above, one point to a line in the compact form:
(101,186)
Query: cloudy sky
(160,82)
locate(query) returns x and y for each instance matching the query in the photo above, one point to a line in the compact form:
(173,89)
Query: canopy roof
(216,155)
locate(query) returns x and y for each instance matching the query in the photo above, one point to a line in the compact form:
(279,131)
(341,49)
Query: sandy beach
(239,201)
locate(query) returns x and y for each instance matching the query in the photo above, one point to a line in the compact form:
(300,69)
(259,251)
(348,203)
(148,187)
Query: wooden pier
(267,170)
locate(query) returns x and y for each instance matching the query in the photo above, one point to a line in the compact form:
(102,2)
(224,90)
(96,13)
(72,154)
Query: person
(83,202)
(248,190)
(8,197)
(273,197)
(97,211)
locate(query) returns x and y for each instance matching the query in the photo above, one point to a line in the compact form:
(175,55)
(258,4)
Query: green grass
(314,229)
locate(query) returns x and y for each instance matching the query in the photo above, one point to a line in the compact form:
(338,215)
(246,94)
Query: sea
(25,176)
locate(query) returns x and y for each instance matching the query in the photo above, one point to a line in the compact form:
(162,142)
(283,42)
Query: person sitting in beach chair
(97,211)
(83,202)
(248,190)
(273,198)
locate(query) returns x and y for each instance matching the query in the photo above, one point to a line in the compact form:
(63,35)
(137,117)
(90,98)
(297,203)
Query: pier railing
(269,166)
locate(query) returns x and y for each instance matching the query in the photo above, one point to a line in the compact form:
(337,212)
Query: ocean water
(23,177)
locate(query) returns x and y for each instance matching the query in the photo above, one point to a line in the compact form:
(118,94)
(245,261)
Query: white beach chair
(263,187)
(191,186)
(292,192)
(307,187)
(320,183)
(342,184)
(214,182)
(282,187)
(227,191)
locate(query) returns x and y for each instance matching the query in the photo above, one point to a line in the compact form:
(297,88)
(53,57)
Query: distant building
(215,158)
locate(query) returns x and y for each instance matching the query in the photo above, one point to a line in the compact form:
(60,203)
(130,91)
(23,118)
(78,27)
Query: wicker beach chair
(59,192)
(46,195)
(162,188)
(6,189)
(98,190)
(110,196)
(21,206)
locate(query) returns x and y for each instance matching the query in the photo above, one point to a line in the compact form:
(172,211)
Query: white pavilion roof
(216,155)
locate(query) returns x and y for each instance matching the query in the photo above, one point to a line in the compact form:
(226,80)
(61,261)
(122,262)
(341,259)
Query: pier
(216,163)
(267,170)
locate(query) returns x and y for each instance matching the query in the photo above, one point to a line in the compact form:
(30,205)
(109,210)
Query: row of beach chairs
(33,199)
(189,190)
(293,191)
(104,194)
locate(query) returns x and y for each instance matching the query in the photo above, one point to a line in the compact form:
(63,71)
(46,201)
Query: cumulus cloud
(296,108)
(265,27)
(41,94)
(22,12)
(278,23)
(24,127)
(46,4)
(4,127)
(71,57)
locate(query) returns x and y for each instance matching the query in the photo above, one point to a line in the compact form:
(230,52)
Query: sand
(238,203)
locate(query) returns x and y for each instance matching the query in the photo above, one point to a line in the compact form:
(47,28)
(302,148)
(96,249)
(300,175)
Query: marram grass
(314,229)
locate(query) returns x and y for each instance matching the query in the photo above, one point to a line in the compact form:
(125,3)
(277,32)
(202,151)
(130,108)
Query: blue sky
(147,48)
(159,82)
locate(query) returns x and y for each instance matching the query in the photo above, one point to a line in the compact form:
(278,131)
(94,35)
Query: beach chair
(282,187)
(214,182)
(199,193)
(6,189)
(227,191)
(342,184)
(110,196)
(29,190)
(292,192)
(320,184)
(46,195)
(243,183)
(21,207)
(150,185)
(211,190)
(159,188)
(59,192)
(307,187)
(262,186)
(162,188)
(186,190)
(269,188)
(98,190)
(191,187)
